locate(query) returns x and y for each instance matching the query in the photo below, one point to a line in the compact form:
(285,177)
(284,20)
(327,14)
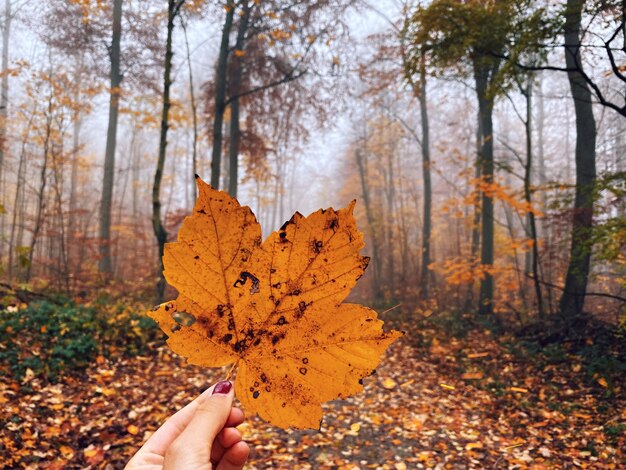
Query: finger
(193,446)
(228,437)
(235,457)
(235,419)
(171,429)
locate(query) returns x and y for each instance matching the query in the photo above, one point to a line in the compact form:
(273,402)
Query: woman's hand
(200,436)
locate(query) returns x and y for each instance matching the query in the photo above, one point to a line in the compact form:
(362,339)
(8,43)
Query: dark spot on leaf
(295,292)
(220,310)
(167,307)
(175,328)
(275,339)
(196,257)
(302,306)
(256,384)
(227,337)
(361,381)
(252,389)
(202,211)
(281,321)
(243,277)
(240,345)
(267,389)
(303,370)
(282,235)
(256,342)
(305,360)
(283,405)
(183,318)
(263,377)
(256,394)
(365,261)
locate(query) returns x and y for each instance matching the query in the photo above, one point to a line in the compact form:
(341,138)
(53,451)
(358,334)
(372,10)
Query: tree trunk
(389,233)
(220,97)
(532,255)
(573,298)
(63,270)
(194,115)
(426,227)
(475,236)
(77,122)
(482,75)
(235,82)
(42,190)
(106,264)
(173,7)
(19,196)
(362,165)
(4,112)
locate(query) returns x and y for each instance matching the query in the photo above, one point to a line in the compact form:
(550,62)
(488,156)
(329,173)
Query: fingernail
(222,387)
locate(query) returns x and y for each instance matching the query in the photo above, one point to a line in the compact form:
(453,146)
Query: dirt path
(455,404)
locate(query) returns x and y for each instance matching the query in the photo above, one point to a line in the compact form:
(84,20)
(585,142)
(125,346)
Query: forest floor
(435,402)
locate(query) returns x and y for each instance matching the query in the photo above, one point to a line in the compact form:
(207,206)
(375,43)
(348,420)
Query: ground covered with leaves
(436,402)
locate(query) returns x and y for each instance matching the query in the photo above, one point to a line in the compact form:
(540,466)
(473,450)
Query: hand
(200,436)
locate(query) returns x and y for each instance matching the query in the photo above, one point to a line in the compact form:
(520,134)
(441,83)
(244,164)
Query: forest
(484,145)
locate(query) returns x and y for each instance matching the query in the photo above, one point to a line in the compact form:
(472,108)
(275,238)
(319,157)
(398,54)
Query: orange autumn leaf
(272,308)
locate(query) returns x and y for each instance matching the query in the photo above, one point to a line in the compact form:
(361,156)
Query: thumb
(192,448)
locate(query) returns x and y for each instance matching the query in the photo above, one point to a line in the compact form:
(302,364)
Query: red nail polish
(222,387)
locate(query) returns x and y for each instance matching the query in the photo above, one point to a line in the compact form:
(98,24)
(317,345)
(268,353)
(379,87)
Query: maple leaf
(272,308)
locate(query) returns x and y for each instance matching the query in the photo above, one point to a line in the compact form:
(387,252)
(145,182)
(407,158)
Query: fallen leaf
(67,452)
(93,455)
(132,429)
(473,445)
(602,381)
(274,308)
(477,355)
(472,376)
(389,383)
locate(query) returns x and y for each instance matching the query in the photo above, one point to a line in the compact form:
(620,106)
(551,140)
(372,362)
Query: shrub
(50,339)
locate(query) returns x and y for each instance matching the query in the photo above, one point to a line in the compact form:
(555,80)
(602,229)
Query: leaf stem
(230,371)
